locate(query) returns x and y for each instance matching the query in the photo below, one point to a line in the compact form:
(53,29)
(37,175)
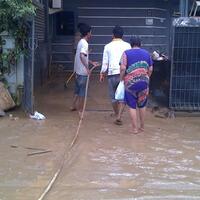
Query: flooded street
(106,162)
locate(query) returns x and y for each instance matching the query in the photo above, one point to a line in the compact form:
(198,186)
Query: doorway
(65,23)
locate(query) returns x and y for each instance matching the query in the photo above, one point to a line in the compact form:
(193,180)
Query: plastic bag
(37,116)
(119,94)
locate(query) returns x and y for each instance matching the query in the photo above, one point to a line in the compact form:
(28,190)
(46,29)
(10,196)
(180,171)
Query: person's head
(85,30)
(135,41)
(79,25)
(118,32)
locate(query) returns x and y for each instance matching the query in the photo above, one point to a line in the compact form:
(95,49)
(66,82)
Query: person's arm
(150,68)
(123,65)
(83,58)
(84,55)
(94,64)
(104,67)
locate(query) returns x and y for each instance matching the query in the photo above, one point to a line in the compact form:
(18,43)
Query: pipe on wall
(183,7)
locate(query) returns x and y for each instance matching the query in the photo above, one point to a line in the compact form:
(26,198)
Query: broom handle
(70,77)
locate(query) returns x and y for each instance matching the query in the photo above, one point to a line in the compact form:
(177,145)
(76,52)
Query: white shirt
(112,54)
(82,47)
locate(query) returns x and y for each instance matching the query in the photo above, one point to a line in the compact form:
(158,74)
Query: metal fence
(185,69)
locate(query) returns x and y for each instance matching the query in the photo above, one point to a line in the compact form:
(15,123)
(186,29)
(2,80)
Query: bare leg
(75,102)
(121,110)
(121,107)
(142,116)
(133,114)
(80,103)
(115,108)
(80,108)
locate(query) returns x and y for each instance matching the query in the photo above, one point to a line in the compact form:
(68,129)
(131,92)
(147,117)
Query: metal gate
(185,70)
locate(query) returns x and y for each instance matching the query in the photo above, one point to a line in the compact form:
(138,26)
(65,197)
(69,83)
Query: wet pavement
(106,162)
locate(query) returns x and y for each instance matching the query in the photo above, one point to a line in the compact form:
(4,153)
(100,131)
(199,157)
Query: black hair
(135,41)
(85,29)
(79,25)
(118,31)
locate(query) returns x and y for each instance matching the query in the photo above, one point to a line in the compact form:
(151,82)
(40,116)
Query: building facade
(55,23)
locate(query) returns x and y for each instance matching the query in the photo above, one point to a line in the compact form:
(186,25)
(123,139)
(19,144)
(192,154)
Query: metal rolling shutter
(148,22)
(40,23)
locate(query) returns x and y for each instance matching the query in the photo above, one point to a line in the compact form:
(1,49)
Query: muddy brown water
(106,162)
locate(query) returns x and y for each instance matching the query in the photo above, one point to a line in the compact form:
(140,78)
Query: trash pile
(159,56)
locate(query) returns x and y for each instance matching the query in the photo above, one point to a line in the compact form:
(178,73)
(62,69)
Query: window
(65,23)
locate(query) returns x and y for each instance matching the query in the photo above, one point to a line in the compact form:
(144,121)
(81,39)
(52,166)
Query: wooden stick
(67,81)
(38,152)
(31,148)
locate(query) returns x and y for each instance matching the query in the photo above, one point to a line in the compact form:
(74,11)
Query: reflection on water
(112,164)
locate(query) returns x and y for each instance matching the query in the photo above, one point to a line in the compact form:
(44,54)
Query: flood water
(108,162)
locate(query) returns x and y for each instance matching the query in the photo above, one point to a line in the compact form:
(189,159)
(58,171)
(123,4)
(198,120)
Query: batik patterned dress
(137,62)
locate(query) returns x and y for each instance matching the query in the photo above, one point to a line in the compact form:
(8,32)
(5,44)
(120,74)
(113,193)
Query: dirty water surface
(106,161)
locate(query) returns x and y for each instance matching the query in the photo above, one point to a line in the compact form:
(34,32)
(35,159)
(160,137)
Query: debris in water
(37,116)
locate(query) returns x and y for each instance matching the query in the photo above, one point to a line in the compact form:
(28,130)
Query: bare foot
(118,122)
(141,129)
(134,131)
(80,115)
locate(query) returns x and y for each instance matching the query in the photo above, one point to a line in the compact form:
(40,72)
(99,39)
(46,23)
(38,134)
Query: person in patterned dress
(136,67)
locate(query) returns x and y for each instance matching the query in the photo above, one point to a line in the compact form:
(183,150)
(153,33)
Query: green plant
(14,15)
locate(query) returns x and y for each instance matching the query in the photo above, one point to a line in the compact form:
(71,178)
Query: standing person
(81,68)
(110,65)
(136,69)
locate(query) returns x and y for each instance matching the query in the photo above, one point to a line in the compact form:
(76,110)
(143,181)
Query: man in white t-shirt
(81,68)
(111,65)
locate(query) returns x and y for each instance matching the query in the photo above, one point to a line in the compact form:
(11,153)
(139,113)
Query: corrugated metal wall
(150,23)
(149,19)
(41,52)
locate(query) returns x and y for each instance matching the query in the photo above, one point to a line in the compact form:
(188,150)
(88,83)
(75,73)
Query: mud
(106,162)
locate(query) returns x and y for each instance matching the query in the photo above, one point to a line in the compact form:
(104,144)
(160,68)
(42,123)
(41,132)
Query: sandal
(73,109)
(118,122)
(141,129)
(113,115)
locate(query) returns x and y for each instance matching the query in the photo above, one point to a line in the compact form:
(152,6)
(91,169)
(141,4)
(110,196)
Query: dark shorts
(136,95)
(80,85)
(113,81)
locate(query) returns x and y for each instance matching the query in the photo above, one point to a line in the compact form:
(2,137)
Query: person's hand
(88,72)
(96,64)
(101,78)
